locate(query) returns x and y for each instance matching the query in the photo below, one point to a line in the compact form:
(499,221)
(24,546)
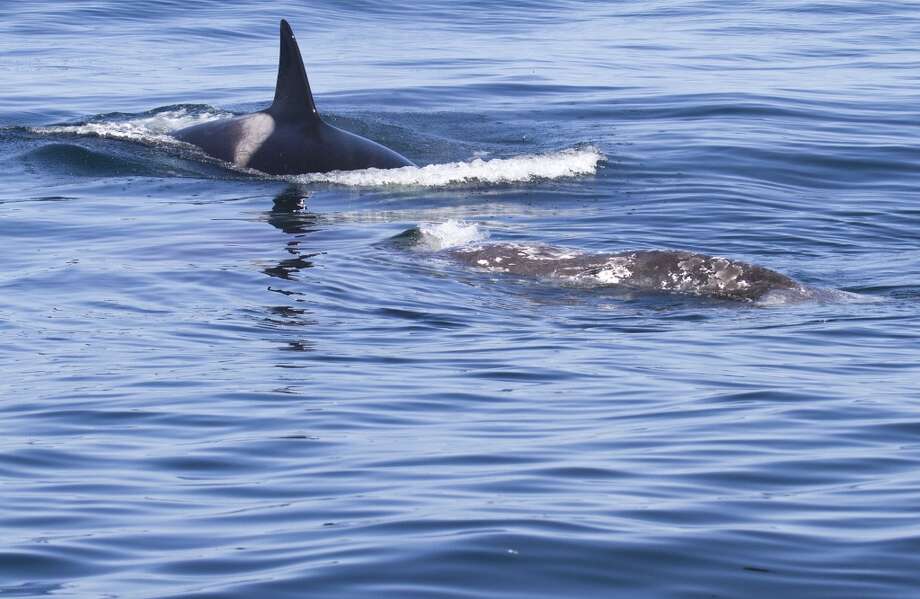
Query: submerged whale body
(289,137)
(644,271)
(668,271)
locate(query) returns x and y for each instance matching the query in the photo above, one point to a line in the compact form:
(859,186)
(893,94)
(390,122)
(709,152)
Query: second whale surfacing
(289,137)
(667,271)
(642,271)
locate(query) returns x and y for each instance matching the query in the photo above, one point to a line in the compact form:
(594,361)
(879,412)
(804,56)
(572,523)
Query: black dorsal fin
(293,98)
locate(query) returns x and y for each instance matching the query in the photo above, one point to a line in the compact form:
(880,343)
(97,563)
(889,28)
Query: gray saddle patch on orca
(253,133)
(289,137)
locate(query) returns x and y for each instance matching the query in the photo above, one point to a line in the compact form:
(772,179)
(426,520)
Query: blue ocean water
(217,384)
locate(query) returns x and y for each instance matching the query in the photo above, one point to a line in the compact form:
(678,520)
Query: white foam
(566,163)
(150,128)
(451,233)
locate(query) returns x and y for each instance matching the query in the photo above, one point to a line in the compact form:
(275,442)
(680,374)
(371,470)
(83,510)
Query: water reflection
(288,214)
(287,315)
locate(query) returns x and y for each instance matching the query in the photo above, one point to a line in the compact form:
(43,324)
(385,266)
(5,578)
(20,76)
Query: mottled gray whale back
(289,137)
(667,271)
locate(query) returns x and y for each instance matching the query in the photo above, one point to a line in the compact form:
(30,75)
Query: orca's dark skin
(289,137)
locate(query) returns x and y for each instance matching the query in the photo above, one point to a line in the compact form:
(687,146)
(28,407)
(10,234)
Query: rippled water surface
(220,384)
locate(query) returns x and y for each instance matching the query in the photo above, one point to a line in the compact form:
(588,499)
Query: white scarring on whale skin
(672,271)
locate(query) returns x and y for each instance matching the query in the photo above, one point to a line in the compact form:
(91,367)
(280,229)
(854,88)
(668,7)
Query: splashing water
(451,233)
(571,162)
(148,128)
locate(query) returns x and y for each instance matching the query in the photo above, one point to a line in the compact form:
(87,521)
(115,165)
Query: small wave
(77,160)
(451,233)
(566,163)
(147,128)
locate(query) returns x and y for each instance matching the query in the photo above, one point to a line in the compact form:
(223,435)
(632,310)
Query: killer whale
(289,137)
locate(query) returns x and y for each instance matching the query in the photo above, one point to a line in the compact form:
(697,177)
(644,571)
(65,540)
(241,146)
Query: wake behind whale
(644,271)
(153,129)
(290,140)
